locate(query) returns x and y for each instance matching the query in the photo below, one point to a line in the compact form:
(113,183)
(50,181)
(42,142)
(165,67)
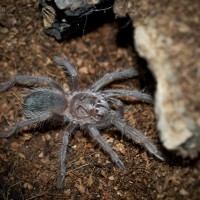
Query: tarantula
(90,110)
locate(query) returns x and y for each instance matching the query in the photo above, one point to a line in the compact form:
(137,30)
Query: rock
(167,35)
(74,4)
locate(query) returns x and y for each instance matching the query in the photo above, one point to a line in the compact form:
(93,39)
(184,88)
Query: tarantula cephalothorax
(91,110)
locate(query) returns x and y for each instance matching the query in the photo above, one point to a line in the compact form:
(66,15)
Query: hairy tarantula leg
(29,81)
(71,128)
(128,93)
(108,78)
(137,136)
(116,105)
(69,70)
(21,124)
(94,133)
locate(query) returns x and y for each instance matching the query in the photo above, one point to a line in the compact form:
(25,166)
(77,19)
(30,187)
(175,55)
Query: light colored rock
(167,35)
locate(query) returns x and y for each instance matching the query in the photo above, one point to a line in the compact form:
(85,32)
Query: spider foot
(159,155)
(120,164)
(6,134)
(60,181)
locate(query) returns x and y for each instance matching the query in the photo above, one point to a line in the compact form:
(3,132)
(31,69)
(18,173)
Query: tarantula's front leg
(137,136)
(94,133)
(128,93)
(21,124)
(28,81)
(71,128)
(70,70)
(108,78)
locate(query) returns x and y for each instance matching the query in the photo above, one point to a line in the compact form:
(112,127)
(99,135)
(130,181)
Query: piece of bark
(63,18)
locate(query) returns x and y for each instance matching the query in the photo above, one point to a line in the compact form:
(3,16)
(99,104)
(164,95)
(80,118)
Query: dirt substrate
(29,162)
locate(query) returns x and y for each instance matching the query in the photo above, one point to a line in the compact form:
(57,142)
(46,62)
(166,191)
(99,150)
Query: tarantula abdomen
(44,101)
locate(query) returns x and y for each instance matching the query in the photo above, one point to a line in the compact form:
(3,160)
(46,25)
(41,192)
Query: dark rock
(64,17)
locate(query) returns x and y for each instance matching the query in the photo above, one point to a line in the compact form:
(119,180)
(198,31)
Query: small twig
(39,195)
(79,167)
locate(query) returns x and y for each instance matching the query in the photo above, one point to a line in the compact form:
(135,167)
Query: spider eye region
(88,108)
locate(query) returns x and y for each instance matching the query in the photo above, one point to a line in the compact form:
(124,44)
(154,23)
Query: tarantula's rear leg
(21,124)
(94,133)
(70,70)
(137,136)
(71,128)
(108,78)
(128,93)
(28,81)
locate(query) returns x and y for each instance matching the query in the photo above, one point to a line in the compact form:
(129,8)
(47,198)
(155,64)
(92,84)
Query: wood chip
(21,155)
(90,181)
(112,178)
(120,148)
(80,188)
(26,137)
(28,186)
(83,70)
(15,145)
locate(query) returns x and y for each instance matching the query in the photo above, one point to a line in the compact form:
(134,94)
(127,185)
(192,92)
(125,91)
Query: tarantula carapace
(90,110)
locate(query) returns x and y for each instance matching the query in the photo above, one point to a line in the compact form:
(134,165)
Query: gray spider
(90,110)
